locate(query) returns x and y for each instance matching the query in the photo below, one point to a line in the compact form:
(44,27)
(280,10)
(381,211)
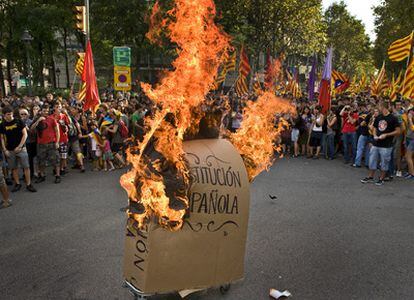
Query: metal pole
(87,21)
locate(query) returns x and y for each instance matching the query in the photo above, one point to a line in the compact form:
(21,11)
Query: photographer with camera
(349,138)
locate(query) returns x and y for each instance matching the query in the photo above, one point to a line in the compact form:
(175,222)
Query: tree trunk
(65,53)
(2,85)
(9,63)
(52,63)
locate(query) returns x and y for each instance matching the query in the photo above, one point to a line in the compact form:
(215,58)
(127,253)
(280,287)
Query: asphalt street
(323,236)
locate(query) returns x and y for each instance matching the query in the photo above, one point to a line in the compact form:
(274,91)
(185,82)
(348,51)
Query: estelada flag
(341,82)
(89,78)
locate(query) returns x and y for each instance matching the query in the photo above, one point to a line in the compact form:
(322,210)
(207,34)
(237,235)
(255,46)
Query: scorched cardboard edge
(209,250)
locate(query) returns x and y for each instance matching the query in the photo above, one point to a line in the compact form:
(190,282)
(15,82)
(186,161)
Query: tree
(288,26)
(394,19)
(352,46)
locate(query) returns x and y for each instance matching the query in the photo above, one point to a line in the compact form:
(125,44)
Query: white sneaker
(399,174)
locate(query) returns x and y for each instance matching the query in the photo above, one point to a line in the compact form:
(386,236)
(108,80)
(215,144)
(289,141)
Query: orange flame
(257,134)
(200,46)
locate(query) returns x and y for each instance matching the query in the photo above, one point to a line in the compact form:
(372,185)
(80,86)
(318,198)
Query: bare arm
(114,128)
(24,138)
(3,144)
(57,134)
(332,122)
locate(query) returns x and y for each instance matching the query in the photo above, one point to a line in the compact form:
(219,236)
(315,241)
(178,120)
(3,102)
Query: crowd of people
(37,133)
(366,131)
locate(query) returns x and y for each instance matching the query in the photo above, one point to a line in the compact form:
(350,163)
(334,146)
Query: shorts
(63,150)
(380,154)
(316,139)
(14,158)
(2,180)
(108,156)
(47,152)
(75,146)
(397,146)
(409,144)
(294,136)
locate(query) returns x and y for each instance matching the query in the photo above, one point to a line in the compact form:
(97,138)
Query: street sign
(122,56)
(122,78)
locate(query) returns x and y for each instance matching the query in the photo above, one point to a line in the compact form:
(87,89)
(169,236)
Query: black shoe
(367,180)
(16,188)
(40,179)
(9,181)
(379,182)
(63,172)
(31,188)
(82,170)
(57,179)
(388,178)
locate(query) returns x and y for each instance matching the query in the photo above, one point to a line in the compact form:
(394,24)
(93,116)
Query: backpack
(123,130)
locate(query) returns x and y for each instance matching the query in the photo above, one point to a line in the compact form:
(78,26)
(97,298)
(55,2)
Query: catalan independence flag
(341,82)
(401,49)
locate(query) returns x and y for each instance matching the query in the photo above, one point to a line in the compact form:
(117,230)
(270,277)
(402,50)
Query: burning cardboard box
(209,250)
(189,201)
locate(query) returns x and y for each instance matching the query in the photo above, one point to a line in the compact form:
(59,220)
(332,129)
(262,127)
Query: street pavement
(323,236)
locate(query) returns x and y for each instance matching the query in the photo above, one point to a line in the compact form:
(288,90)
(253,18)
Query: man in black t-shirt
(13,141)
(385,127)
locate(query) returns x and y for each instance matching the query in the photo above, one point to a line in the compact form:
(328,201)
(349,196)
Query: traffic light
(80,15)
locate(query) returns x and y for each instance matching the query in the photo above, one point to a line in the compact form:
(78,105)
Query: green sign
(23,82)
(122,56)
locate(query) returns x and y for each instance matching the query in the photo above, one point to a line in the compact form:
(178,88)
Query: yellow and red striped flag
(82,92)
(242,86)
(395,87)
(380,84)
(407,88)
(244,66)
(80,63)
(231,62)
(229,65)
(401,49)
(257,86)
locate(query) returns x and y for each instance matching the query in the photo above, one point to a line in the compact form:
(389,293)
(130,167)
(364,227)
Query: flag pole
(408,62)
(87,21)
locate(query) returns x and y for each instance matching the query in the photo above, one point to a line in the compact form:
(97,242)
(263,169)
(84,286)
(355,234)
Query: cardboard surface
(209,250)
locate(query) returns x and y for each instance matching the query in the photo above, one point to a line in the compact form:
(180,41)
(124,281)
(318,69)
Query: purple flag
(312,80)
(327,71)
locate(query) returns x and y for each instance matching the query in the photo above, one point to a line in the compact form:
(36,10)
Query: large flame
(201,46)
(255,139)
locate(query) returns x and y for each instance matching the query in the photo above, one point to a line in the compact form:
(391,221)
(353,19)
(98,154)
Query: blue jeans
(362,148)
(380,154)
(349,139)
(330,145)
